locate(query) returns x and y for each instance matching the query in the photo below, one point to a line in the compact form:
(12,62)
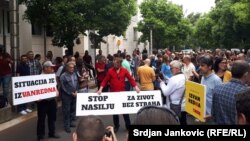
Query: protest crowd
(224,73)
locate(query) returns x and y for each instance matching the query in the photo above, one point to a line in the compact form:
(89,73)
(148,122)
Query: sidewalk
(9,117)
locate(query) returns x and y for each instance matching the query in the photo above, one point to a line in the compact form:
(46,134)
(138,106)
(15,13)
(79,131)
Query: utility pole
(14,32)
(45,40)
(4,34)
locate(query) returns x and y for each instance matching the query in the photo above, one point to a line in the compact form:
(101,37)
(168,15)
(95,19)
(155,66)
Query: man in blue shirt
(209,79)
(224,103)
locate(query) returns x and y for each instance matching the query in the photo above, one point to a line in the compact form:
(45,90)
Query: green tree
(193,17)
(203,32)
(229,25)
(103,16)
(192,41)
(69,18)
(241,24)
(166,21)
(38,13)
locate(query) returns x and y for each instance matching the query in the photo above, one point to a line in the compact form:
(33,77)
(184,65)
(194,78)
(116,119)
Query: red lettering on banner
(40,91)
(196,111)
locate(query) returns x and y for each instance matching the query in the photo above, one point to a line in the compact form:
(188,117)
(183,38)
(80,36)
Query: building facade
(31,37)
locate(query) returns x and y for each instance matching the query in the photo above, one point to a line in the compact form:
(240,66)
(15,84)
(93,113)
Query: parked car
(187,51)
(235,50)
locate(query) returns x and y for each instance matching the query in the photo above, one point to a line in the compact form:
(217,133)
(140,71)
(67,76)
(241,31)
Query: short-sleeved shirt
(187,70)
(146,75)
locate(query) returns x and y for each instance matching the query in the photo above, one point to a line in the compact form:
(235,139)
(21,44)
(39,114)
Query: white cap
(48,64)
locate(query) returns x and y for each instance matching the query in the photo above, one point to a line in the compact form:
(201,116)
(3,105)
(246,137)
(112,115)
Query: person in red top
(5,72)
(116,77)
(100,68)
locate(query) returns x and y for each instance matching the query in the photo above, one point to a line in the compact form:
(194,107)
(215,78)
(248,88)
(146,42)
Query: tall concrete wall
(25,36)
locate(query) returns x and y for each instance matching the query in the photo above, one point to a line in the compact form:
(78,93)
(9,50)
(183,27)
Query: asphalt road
(26,130)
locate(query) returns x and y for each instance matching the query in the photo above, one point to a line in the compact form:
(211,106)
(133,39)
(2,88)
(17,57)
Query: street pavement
(26,129)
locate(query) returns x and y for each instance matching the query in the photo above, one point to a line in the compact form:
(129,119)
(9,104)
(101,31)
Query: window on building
(36,29)
(49,32)
(124,35)
(8,22)
(135,33)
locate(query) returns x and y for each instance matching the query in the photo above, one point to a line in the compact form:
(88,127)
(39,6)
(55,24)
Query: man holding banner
(46,107)
(116,77)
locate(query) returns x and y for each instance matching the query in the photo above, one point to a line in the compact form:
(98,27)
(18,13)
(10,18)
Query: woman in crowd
(220,69)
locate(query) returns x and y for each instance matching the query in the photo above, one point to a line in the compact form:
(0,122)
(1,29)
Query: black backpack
(2,101)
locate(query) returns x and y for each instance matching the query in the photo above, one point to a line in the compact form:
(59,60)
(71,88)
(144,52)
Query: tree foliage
(226,26)
(70,18)
(166,21)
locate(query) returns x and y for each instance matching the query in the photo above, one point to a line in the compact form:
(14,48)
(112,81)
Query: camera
(160,75)
(108,133)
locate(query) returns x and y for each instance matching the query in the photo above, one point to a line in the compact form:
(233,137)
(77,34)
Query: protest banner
(195,97)
(26,89)
(115,102)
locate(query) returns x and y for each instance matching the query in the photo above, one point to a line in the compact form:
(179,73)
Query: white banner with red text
(27,89)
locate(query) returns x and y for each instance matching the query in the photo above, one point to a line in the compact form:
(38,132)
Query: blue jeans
(69,109)
(5,81)
(83,90)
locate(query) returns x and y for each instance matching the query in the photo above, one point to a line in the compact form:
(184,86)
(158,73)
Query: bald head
(147,61)
(241,56)
(186,59)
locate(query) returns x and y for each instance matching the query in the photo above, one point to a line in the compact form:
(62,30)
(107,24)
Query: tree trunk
(70,50)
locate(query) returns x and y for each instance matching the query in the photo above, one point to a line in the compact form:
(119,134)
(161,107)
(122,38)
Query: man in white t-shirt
(188,67)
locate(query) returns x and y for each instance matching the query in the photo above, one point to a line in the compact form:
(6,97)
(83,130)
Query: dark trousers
(126,119)
(183,118)
(49,108)
(21,107)
(69,109)
(125,116)
(105,89)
